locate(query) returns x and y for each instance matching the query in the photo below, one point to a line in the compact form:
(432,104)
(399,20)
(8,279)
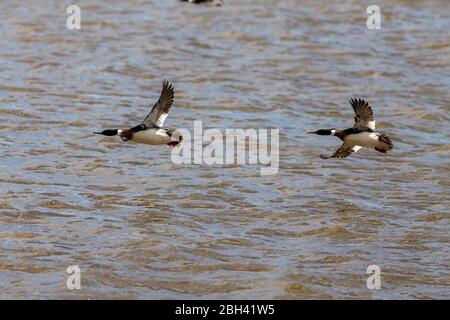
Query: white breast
(151,136)
(363,139)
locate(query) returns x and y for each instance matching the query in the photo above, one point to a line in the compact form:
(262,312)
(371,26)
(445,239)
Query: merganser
(151,130)
(361,135)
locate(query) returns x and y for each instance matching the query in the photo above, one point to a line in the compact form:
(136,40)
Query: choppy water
(140,226)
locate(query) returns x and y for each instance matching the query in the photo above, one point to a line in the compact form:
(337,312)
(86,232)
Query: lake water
(142,227)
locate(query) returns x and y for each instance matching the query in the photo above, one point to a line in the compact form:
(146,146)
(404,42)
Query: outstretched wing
(363,114)
(344,151)
(161,109)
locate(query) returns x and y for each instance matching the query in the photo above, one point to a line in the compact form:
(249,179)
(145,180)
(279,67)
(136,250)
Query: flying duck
(151,130)
(361,135)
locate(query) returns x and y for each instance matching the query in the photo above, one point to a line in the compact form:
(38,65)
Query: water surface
(141,227)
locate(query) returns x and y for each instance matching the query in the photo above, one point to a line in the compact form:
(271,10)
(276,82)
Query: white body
(364,139)
(151,136)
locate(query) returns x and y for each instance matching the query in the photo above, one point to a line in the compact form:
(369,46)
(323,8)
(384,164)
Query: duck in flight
(361,135)
(151,130)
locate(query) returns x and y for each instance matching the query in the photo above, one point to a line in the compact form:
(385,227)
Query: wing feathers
(161,109)
(363,114)
(344,151)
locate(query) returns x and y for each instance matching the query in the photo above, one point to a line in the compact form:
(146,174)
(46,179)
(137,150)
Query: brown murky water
(142,227)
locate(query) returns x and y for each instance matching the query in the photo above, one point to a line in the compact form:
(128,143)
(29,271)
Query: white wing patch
(160,121)
(356,148)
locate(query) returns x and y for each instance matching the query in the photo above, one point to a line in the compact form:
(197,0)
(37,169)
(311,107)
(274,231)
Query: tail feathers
(385,145)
